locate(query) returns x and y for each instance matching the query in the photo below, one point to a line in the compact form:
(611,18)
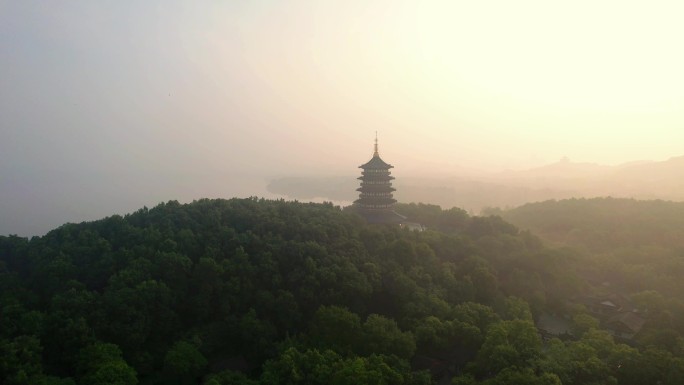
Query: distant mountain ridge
(564,166)
(599,224)
(560,180)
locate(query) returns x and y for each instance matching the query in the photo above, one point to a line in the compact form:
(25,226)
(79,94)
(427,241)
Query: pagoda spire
(375,153)
(376,199)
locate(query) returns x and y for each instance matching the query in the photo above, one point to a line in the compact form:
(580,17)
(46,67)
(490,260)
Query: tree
(583,323)
(585,365)
(183,363)
(382,336)
(516,308)
(525,376)
(508,344)
(102,363)
(336,328)
(229,377)
(313,367)
(20,361)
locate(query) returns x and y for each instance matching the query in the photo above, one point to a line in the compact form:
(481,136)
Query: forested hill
(249,291)
(602,224)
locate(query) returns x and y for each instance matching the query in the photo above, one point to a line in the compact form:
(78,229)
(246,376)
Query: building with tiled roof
(376,200)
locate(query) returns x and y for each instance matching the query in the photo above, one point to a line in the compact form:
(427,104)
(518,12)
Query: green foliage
(382,336)
(634,245)
(464,379)
(20,361)
(336,328)
(527,376)
(602,224)
(229,377)
(516,308)
(183,362)
(582,323)
(327,367)
(111,373)
(102,363)
(508,344)
(248,291)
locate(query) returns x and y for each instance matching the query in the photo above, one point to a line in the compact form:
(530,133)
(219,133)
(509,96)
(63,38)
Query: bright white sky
(161,92)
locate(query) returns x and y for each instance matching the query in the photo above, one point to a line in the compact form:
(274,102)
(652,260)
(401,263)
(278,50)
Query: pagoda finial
(375,153)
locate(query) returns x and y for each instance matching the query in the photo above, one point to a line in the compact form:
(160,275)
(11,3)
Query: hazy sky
(113,104)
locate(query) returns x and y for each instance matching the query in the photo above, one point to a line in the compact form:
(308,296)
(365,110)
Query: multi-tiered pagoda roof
(376,200)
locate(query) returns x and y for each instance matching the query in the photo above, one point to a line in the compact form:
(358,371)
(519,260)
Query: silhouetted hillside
(603,223)
(249,291)
(560,180)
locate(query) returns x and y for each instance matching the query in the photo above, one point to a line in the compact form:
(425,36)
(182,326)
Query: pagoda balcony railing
(376,207)
(376,177)
(376,189)
(375,194)
(372,181)
(376,198)
(376,201)
(375,172)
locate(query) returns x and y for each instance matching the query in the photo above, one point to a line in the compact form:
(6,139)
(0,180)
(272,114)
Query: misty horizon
(108,107)
(69,202)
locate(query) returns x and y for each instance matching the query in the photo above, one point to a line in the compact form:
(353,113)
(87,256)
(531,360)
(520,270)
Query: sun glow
(470,71)
(598,54)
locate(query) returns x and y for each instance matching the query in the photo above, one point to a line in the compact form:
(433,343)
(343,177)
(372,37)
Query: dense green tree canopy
(250,291)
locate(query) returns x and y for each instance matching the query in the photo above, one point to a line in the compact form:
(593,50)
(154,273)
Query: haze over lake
(109,106)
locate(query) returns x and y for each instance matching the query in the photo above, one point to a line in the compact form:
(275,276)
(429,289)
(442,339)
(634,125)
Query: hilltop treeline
(603,224)
(249,291)
(635,245)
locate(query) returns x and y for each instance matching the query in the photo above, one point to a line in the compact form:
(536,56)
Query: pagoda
(375,201)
